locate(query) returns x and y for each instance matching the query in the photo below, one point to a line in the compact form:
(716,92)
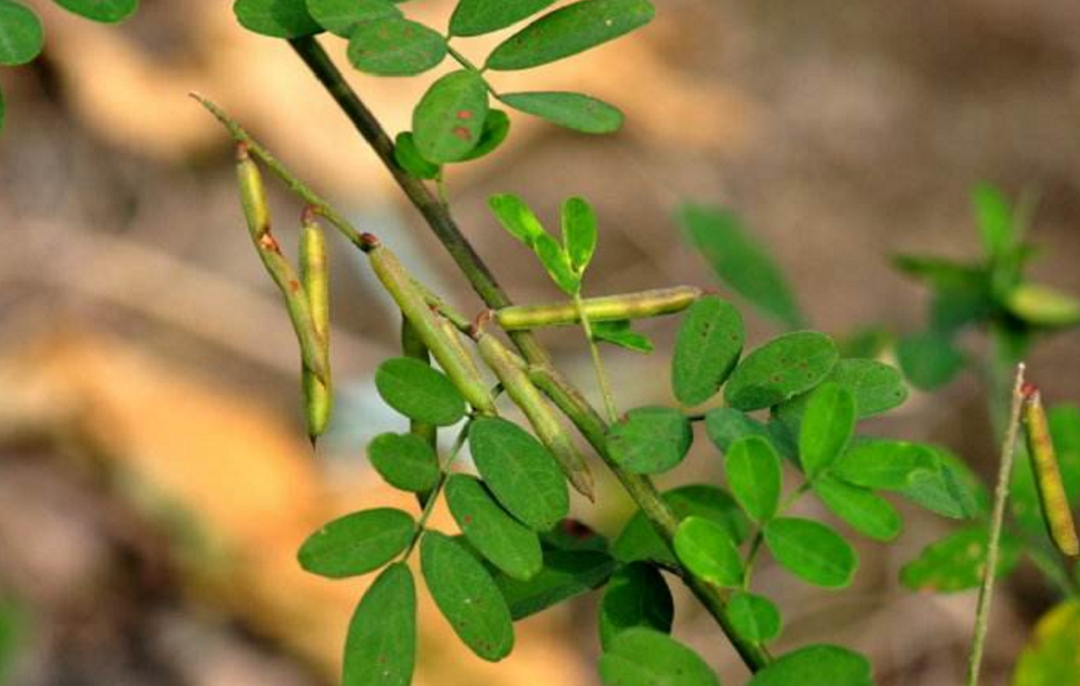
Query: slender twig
(444,474)
(997,518)
(597,361)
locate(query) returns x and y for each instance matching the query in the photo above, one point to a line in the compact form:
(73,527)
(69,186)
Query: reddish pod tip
(1029,390)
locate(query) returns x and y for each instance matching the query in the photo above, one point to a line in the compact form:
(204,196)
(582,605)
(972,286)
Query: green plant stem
(997,518)
(437,216)
(444,473)
(597,361)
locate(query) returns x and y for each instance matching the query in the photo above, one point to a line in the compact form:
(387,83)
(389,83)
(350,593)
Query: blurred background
(155,480)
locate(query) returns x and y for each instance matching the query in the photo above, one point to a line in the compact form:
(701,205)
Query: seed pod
(540,415)
(454,360)
(652,303)
(315,278)
(1055,504)
(257,213)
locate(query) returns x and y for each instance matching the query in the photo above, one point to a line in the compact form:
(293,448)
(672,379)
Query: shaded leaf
(708,346)
(811,551)
(740,262)
(408,157)
(650,440)
(419,392)
(520,471)
(636,596)
(21,34)
(956,562)
(496,129)
(753,474)
(500,538)
(1049,658)
(467,596)
(405,461)
(395,47)
(951,489)
(725,425)
(568,31)
(816,665)
(477,17)
(276,18)
(929,360)
(707,550)
(638,540)
(448,121)
(357,543)
(575,111)
(754,617)
(381,644)
(565,574)
(780,370)
(645,657)
(340,17)
(104,11)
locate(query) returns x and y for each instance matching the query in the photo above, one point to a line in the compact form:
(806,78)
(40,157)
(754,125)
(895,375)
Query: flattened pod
(315,277)
(641,305)
(257,213)
(1055,504)
(540,415)
(451,356)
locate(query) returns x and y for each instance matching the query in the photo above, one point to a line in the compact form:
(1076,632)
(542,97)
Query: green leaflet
(753,474)
(520,472)
(1049,659)
(645,657)
(565,574)
(754,617)
(636,596)
(575,111)
(888,465)
(467,596)
(994,218)
(650,440)
(448,121)
(419,392)
(929,360)
(707,550)
(276,18)
(408,157)
(21,35)
(877,388)
(950,489)
(811,551)
(477,17)
(381,644)
(826,429)
(568,31)
(104,11)
(725,425)
(620,334)
(579,233)
(866,512)
(638,540)
(708,346)
(405,461)
(740,262)
(780,369)
(816,665)
(521,223)
(956,562)
(357,543)
(395,47)
(506,543)
(496,129)
(340,17)
(1043,306)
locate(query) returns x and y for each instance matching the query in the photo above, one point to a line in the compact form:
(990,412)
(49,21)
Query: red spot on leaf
(462,133)
(464,114)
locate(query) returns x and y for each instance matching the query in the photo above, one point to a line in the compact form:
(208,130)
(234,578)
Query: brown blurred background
(154,480)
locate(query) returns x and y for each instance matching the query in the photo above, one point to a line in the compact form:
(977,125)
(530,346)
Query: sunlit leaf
(395,47)
(1050,658)
(780,370)
(865,511)
(827,427)
(753,473)
(579,232)
(816,665)
(811,551)
(448,121)
(21,34)
(884,464)
(754,617)
(419,392)
(708,551)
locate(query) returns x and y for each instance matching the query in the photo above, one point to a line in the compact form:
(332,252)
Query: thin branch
(997,518)
(597,361)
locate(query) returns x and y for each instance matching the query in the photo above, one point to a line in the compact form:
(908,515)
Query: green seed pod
(652,303)
(454,360)
(315,278)
(540,415)
(257,213)
(1055,504)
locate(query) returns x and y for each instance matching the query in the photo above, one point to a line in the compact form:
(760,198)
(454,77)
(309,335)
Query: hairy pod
(641,305)
(449,353)
(257,214)
(315,278)
(1055,504)
(540,415)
